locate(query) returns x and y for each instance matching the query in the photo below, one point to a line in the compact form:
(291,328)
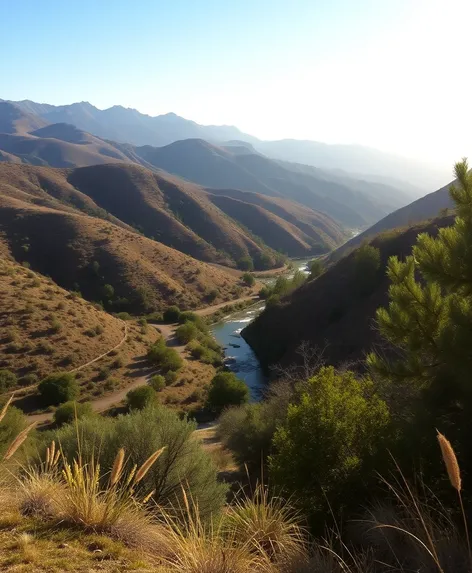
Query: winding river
(239,356)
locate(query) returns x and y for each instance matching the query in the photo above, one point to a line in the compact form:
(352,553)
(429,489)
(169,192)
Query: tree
(366,266)
(71,411)
(329,437)
(226,389)
(58,388)
(248,279)
(171,314)
(428,323)
(157,382)
(7,380)
(108,291)
(246,264)
(140,398)
(316,267)
(165,358)
(186,332)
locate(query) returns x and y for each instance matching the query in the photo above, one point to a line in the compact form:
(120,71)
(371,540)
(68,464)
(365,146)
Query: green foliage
(428,322)
(108,291)
(248,279)
(186,332)
(282,287)
(58,388)
(157,382)
(7,380)
(328,440)
(226,389)
(68,412)
(183,466)
(316,268)
(164,357)
(246,263)
(366,266)
(141,397)
(12,424)
(170,377)
(171,314)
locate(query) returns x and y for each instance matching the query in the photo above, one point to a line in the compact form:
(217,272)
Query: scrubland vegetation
(343,470)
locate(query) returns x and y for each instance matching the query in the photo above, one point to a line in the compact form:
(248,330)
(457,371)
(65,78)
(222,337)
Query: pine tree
(429,320)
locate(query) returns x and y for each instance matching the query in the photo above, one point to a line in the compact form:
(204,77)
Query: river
(239,356)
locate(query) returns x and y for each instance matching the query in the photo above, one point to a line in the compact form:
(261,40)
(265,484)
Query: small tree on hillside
(245,264)
(226,389)
(58,388)
(366,266)
(315,267)
(141,397)
(248,279)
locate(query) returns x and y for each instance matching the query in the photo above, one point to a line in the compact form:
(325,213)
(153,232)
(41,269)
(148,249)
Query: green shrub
(157,382)
(366,266)
(108,291)
(248,279)
(171,314)
(123,315)
(196,349)
(186,332)
(141,397)
(327,446)
(184,465)
(164,357)
(226,389)
(7,380)
(70,411)
(170,377)
(58,388)
(28,379)
(246,264)
(316,267)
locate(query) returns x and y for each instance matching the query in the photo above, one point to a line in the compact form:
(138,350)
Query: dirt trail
(168,332)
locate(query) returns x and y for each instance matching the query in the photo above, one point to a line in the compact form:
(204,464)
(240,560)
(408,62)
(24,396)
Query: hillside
(174,212)
(130,126)
(14,120)
(420,210)
(332,313)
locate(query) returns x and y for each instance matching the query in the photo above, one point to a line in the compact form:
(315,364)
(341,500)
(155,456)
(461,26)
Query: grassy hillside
(14,120)
(333,313)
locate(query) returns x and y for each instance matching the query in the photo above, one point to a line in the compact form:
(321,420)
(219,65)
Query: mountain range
(127,125)
(236,165)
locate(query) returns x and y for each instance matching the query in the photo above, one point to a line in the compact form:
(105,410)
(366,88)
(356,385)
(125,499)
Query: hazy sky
(392,74)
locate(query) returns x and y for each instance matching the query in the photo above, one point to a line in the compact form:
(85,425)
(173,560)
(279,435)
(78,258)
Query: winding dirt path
(168,332)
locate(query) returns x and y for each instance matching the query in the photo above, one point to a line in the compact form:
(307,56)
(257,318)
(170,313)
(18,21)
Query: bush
(58,388)
(165,358)
(28,379)
(70,411)
(12,424)
(326,448)
(171,314)
(366,266)
(170,377)
(7,380)
(315,267)
(183,465)
(108,291)
(141,397)
(157,382)
(226,390)
(246,264)
(186,332)
(248,279)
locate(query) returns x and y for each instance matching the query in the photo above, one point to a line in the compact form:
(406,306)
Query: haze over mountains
(127,125)
(25,137)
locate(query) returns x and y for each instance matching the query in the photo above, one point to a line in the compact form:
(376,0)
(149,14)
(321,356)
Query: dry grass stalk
(450,461)
(143,470)
(18,441)
(117,467)
(5,408)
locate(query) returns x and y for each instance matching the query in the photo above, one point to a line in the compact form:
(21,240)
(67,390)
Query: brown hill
(332,313)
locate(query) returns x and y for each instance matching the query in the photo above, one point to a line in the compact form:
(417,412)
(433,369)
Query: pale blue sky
(392,74)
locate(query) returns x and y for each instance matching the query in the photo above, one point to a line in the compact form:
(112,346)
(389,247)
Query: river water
(239,356)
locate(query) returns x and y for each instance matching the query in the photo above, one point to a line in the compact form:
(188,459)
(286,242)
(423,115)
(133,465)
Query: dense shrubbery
(225,390)
(58,388)
(246,264)
(141,397)
(184,465)
(316,268)
(163,357)
(70,411)
(157,382)
(171,314)
(366,266)
(186,332)
(283,286)
(248,279)
(7,380)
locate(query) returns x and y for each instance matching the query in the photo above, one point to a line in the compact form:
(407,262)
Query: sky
(389,74)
